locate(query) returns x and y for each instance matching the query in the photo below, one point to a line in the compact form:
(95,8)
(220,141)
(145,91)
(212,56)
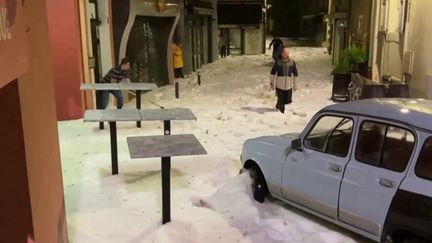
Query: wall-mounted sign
(13,47)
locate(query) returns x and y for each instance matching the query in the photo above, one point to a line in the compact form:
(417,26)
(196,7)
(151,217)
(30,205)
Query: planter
(373,91)
(362,69)
(398,91)
(340,86)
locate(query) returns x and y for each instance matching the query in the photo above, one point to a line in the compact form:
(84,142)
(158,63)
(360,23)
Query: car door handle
(335,168)
(387,183)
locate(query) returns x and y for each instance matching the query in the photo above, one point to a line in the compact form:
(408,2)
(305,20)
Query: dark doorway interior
(210,39)
(147,49)
(197,40)
(299,19)
(16,219)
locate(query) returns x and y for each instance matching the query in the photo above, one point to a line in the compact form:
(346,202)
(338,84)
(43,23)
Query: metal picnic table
(165,147)
(138,87)
(124,115)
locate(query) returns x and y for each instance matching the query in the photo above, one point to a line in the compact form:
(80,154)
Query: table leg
(166,190)
(166,184)
(98,106)
(138,104)
(167,127)
(114,157)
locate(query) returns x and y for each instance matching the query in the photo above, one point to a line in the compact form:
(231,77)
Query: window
(384,146)
(424,163)
(331,135)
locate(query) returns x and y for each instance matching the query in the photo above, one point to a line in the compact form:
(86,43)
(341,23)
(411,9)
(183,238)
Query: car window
(384,146)
(331,135)
(424,163)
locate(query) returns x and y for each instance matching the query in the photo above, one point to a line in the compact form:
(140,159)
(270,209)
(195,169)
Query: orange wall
(63,21)
(15,211)
(39,124)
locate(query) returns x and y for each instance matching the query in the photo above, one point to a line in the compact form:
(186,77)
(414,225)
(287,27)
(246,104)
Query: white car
(363,165)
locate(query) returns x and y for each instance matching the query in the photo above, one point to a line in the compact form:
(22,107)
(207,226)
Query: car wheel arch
(249,164)
(252,163)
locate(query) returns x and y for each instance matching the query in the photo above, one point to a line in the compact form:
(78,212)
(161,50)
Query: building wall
(215,31)
(360,23)
(210,40)
(394,42)
(88,99)
(63,20)
(388,52)
(39,126)
(419,42)
(107,61)
(15,210)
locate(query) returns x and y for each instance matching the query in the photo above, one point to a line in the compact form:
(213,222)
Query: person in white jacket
(283,79)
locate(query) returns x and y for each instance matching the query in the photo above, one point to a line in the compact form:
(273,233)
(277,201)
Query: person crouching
(283,79)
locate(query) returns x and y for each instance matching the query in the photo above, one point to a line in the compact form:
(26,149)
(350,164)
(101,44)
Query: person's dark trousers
(178,73)
(223,52)
(105,98)
(284,97)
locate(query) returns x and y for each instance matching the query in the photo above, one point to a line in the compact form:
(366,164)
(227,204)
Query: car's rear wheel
(413,240)
(259,186)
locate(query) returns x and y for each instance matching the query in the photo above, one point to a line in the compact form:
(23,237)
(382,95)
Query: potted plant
(341,78)
(357,59)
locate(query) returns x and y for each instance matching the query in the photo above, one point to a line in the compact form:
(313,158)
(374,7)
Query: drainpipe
(383,35)
(373,35)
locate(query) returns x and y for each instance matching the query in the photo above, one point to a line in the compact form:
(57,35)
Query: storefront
(245,33)
(197,34)
(143,32)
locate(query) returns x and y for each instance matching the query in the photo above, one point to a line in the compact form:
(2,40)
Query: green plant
(356,55)
(357,58)
(350,59)
(343,65)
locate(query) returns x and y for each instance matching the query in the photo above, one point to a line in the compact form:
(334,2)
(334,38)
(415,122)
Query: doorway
(147,49)
(197,37)
(95,60)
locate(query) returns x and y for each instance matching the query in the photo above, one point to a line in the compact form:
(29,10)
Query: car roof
(414,112)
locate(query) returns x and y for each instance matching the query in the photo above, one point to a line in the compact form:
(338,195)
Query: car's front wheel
(259,186)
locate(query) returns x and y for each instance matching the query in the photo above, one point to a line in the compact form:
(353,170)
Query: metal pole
(177,90)
(114,158)
(166,190)
(199,78)
(167,127)
(98,106)
(166,183)
(138,104)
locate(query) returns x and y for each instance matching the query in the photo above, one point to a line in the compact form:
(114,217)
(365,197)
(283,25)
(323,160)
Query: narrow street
(210,202)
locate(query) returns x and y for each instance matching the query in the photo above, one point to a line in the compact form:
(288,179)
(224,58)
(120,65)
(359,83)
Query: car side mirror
(296,144)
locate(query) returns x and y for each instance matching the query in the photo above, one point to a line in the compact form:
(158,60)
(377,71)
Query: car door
(372,177)
(312,175)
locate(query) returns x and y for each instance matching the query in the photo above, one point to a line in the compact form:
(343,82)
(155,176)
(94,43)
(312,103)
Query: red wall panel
(64,31)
